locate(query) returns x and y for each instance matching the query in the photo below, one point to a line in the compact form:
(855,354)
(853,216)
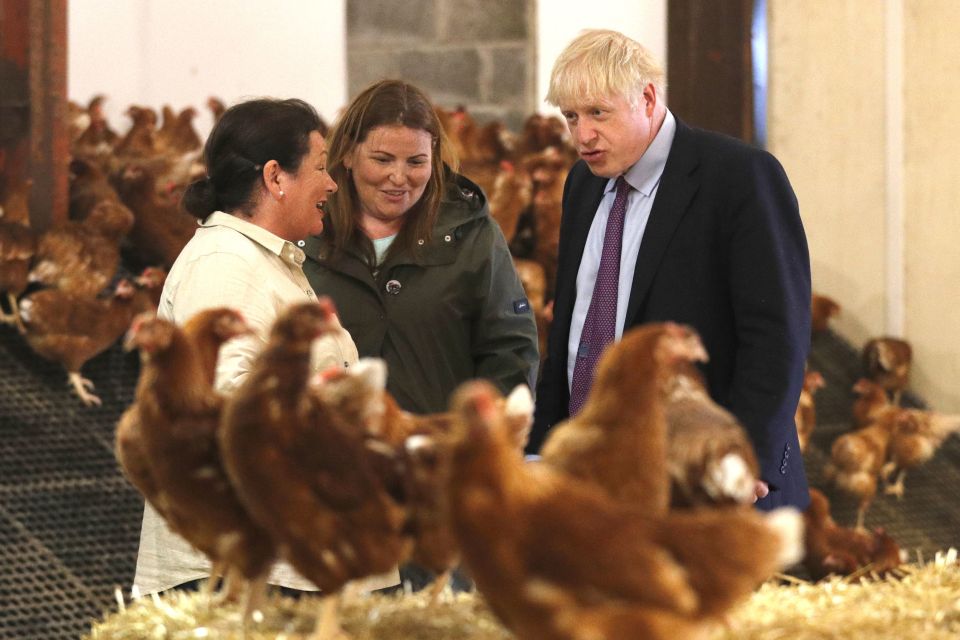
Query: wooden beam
(49,145)
(33,103)
(710,74)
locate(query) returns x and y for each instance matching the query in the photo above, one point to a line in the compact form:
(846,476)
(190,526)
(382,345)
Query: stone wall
(475,53)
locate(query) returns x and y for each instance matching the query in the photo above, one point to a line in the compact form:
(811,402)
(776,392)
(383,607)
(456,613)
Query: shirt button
(301,243)
(447,238)
(420,242)
(393,287)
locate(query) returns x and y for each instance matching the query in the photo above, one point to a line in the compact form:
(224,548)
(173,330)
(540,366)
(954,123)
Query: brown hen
(548,170)
(822,309)
(16,203)
(140,140)
(217,108)
(98,137)
(71,329)
(711,460)
(167,444)
(303,471)
(89,187)
(168,118)
(160,230)
(411,455)
(82,256)
(17,247)
(856,459)
(544,547)
(806,415)
(887,361)
(183,137)
(540,132)
(832,549)
(619,438)
(916,438)
(511,196)
(871,402)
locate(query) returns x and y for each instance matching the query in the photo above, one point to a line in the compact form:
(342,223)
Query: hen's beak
(129,340)
(686,344)
(696,350)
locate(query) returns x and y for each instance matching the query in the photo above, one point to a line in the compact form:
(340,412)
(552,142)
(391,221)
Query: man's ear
(648,99)
(271,179)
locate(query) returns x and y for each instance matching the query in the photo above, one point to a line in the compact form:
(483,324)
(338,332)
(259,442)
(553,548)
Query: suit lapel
(678,185)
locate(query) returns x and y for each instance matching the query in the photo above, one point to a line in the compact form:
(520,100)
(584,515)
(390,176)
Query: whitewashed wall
(865,116)
(560,21)
(931,195)
(180,52)
(864,106)
(826,125)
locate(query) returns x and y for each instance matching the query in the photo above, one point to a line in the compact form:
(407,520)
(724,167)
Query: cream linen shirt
(234,263)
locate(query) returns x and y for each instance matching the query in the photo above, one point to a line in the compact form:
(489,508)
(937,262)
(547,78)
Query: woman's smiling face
(390,171)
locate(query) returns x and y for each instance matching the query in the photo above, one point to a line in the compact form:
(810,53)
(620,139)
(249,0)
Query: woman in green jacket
(420,273)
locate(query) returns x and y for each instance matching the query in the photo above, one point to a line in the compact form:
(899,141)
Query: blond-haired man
(710,235)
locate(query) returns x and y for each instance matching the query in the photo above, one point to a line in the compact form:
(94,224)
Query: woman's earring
(281,193)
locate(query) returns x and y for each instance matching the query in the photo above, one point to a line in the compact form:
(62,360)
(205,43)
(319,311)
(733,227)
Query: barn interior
(856,99)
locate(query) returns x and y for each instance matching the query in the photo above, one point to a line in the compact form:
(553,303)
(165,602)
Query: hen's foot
(81,386)
(895,489)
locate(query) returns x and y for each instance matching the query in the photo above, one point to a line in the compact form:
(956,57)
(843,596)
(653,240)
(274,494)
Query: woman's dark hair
(385,103)
(246,137)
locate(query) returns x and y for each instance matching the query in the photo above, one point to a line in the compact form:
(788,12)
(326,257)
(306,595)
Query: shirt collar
(645,174)
(269,241)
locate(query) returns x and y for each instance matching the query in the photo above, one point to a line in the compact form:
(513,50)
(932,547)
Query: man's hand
(760,490)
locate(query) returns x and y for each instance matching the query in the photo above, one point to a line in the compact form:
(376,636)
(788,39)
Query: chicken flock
(326,472)
(62,286)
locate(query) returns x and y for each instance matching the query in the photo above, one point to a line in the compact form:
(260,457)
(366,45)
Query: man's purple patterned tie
(600,325)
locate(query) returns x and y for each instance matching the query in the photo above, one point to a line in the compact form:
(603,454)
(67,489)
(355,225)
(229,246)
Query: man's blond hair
(602,63)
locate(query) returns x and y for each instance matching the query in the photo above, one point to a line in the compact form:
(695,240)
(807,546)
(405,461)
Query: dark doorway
(711,78)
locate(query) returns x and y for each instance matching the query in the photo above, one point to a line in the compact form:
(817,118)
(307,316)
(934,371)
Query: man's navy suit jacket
(724,251)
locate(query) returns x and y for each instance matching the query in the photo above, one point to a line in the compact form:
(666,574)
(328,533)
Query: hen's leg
(328,623)
(862,514)
(885,471)
(896,489)
(438,585)
(81,386)
(211,582)
(14,316)
(254,598)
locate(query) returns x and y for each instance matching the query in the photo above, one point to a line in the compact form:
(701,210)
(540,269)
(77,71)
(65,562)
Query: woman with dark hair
(420,271)
(267,186)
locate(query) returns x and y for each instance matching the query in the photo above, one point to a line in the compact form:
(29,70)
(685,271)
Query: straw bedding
(922,601)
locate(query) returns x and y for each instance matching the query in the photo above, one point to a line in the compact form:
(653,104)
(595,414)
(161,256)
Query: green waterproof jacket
(456,313)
